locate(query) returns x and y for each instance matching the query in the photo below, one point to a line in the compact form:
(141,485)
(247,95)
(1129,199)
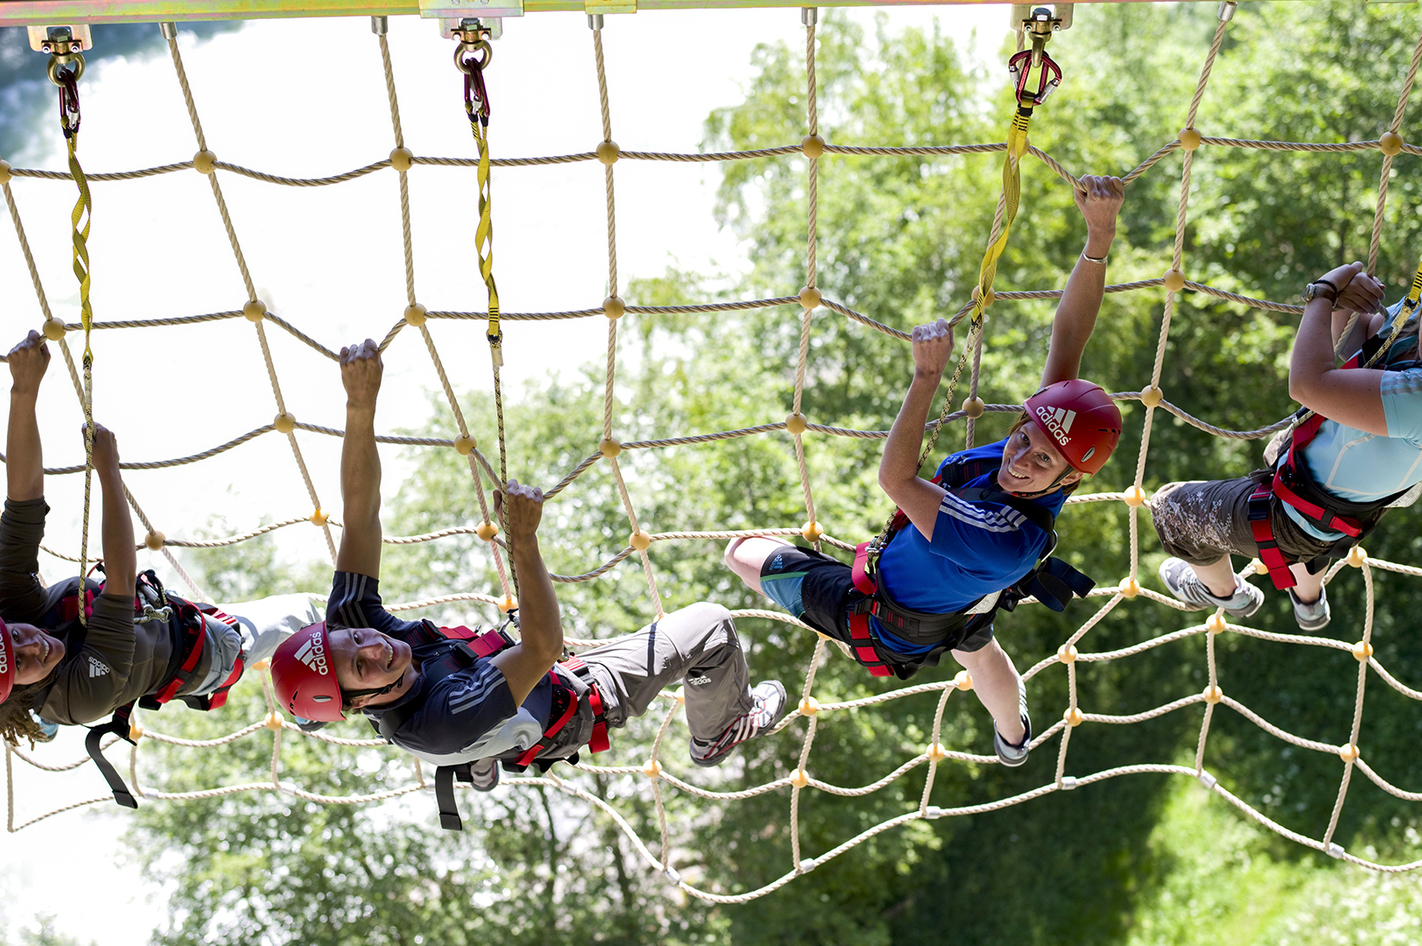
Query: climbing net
(804,721)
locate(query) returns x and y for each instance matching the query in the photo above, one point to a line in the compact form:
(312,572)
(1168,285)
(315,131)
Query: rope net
(605,448)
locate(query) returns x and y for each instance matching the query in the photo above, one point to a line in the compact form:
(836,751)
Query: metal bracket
(469,28)
(1040,23)
(452,13)
(61,40)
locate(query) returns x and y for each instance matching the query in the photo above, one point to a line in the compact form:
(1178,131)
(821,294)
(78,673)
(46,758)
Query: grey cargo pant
(697,645)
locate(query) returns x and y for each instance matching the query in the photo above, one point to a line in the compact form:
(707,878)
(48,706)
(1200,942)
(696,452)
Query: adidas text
(313,654)
(1058,422)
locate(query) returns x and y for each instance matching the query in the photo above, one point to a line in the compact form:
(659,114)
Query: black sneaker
(769,707)
(1014,754)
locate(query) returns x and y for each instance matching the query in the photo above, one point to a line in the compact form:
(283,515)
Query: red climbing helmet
(1081,420)
(304,676)
(7,662)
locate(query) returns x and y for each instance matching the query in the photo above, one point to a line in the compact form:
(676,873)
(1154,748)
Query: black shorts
(819,590)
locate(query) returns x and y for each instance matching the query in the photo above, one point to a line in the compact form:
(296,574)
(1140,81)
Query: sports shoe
(1014,754)
(1314,616)
(1184,584)
(769,707)
(483,775)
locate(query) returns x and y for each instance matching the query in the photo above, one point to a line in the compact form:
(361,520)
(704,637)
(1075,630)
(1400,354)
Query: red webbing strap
(554,727)
(864,650)
(1349,527)
(1303,435)
(860,570)
(1263,531)
(218,697)
(194,639)
(599,741)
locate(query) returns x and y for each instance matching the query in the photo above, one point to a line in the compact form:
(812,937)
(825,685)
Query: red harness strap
(554,727)
(599,741)
(863,644)
(194,635)
(1278,487)
(860,570)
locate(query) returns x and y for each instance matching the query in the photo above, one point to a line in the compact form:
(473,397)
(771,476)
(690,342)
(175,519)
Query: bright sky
(307,98)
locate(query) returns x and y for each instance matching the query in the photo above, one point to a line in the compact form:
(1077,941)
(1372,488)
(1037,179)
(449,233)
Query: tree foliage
(900,241)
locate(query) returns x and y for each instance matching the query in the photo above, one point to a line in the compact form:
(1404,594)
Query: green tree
(901,239)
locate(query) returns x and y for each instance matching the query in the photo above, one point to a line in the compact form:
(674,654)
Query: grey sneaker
(1184,584)
(1314,616)
(1014,754)
(769,707)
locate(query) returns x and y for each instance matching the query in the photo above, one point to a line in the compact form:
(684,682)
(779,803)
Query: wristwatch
(1321,287)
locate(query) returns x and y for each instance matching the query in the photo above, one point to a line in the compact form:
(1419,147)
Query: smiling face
(36,653)
(1030,463)
(366,659)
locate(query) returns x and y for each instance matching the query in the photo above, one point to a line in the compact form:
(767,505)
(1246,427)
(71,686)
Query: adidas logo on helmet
(313,654)
(7,663)
(1058,422)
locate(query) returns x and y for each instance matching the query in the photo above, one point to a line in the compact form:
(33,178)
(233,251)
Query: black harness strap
(119,726)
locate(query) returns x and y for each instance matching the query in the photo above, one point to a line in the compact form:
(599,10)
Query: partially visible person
(55,669)
(1333,478)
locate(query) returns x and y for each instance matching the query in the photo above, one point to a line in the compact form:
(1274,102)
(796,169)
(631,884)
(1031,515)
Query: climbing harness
(1290,480)
(1051,581)
(151,602)
(459,648)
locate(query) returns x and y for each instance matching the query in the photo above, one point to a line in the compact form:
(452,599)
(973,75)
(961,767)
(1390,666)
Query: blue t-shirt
(470,711)
(978,548)
(1362,467)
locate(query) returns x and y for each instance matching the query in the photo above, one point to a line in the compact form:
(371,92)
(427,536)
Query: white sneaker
(769,707)
(1184,584)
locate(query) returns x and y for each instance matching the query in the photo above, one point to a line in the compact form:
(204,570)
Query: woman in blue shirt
(964,542)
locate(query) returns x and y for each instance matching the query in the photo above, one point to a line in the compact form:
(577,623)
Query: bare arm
(898,468)
(120,557)
(1354,396)
(1081,298)
(24,457)
(361,370)
(540,622)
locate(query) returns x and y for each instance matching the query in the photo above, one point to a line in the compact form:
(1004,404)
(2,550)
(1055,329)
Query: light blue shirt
(1362,467)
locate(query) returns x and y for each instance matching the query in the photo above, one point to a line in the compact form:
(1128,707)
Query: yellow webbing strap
(1012,195)
(83,212)
(484,237)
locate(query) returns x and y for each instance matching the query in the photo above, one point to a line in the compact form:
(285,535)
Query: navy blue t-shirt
(978,548)
(469,707)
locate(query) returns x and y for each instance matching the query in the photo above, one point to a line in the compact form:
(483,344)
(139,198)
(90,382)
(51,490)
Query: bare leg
(1309,587)
(995,683)
(747,554)
(1218,577)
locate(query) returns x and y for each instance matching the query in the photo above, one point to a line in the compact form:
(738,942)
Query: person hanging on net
(1331,478)
(464,700)
(72,672)
(965,543)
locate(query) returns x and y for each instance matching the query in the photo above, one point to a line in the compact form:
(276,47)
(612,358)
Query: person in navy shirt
(465,700)
(985,529)
(1364,455)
